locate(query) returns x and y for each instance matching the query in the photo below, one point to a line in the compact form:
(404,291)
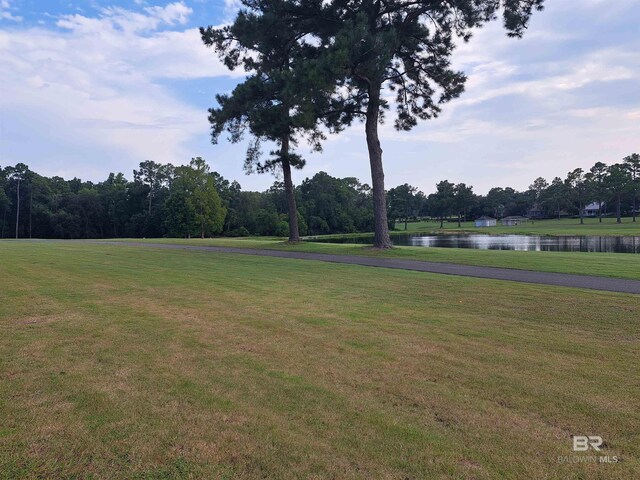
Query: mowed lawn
(125,362)
(619,265)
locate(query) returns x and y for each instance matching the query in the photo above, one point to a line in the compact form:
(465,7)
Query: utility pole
(18,207)
(30,206)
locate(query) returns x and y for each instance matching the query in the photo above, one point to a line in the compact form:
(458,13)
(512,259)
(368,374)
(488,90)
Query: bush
(282,229)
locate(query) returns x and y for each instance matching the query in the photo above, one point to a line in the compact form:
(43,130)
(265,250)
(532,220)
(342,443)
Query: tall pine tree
(405,47)
(283,96)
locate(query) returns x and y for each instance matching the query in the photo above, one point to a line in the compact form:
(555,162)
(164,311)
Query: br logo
(582,443)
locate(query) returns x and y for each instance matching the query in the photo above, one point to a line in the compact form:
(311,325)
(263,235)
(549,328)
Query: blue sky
(92,87)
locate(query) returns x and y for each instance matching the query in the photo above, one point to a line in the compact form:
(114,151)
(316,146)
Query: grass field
(564,226)
(621,265)
(124,362)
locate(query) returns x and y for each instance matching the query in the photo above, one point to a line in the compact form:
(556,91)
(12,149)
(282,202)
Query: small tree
(463,198)
(154,175)
(444,200)
(632,163)
(496,200)
(556,195)
(402,202)
(577,188)
(617,181)
(193,205)
(597,187)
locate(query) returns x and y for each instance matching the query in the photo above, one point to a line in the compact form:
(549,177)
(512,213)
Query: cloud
(101,92)
(96,85)
(117,18)
(5,12)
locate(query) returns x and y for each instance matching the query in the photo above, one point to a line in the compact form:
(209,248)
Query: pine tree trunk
(634,207)
(459,225)
(581,214)
(381,227)
(600,212)
(294,232)
(618,213)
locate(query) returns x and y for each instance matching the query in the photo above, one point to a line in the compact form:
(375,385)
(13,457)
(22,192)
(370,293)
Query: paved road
(514,275)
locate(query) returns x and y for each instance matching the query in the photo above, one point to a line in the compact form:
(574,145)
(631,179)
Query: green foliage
(193,201)
(194,206)
(334,205)
(443,201)
(282,229)
(401,203)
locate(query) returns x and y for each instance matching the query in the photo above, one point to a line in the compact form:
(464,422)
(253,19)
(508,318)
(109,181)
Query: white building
(485,221)
(514,220)
(592,209)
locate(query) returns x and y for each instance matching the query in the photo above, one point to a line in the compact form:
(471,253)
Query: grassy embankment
(621,265)
(124,362)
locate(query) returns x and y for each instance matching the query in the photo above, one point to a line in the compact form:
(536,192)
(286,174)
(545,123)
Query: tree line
(163,200)
(611,188)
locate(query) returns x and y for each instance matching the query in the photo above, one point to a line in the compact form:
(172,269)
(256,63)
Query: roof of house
(515,217)
(484,217)
(593,206)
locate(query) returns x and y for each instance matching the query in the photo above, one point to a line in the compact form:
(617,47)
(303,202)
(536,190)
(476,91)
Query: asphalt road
(526,276)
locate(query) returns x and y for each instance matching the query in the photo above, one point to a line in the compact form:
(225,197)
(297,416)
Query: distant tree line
(192,201)
(168,201)
(611,189)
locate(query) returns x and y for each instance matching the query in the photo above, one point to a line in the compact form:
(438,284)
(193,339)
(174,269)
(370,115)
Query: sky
(93,87)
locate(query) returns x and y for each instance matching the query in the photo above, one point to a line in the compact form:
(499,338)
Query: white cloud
(96,86)
(94,90)
(115,18)
(5,12)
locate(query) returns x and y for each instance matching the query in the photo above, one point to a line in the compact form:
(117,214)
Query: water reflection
(538,243)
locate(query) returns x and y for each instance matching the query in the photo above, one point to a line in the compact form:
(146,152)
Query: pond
(537,243)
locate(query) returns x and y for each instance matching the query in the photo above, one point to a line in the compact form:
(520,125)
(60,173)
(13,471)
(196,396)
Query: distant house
(535,212)
(510,221)
(485,221)
(592,209)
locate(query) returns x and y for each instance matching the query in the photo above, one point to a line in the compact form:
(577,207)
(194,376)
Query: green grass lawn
(564,226)
(124,362)
(621,265)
